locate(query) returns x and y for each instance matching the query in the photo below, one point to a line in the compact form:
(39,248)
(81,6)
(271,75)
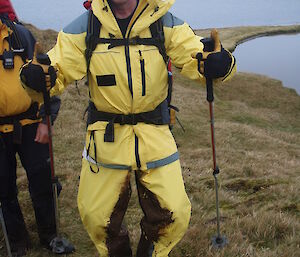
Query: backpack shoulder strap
(92,35)
(157,31)
(15,35)
(14,41)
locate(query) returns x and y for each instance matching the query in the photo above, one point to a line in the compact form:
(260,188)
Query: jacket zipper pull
(141,56)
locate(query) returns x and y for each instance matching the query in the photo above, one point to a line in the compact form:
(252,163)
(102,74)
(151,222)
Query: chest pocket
(151,71)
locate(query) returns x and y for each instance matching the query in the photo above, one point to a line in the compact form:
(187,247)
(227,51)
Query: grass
(257,126)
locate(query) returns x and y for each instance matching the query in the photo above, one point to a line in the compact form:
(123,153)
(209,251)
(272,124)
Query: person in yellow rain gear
(123,46)
(22,131)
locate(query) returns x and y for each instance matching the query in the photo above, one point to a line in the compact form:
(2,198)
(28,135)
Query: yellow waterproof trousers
(103,199)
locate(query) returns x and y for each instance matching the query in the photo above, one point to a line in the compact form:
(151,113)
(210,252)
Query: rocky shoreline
(232,37)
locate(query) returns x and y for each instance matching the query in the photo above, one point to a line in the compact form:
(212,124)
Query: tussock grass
(257,123)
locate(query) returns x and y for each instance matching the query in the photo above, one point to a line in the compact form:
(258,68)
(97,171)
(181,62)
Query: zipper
(137,156)
(142,62)
(137,19)
(128,63)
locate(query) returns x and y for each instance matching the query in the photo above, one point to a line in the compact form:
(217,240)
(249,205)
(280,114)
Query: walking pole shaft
(50,143)
(215,167)
(54,179)
(58,244)
(218,241)
(212,131)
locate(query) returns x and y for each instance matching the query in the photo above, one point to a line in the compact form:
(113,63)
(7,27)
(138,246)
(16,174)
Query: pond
(275,56)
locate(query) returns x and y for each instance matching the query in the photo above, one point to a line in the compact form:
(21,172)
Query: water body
(56,14)
(275,56)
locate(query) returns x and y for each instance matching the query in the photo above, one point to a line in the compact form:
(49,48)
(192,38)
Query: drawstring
(92,136)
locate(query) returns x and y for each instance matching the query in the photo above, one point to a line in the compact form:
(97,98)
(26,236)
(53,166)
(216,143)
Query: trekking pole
(43,59)
(5,232)
(53,177)
(213,45)
(59,244)
(41,85)
(218,241)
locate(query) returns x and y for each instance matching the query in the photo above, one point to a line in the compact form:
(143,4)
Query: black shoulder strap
(14,39)
(157,39)
(92,35)
(157,31)
(15,34)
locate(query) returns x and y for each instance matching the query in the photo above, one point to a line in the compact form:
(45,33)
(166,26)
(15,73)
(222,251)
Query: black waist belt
(159,116)
(14,120)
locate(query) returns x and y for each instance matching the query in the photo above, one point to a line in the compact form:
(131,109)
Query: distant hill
(46,37)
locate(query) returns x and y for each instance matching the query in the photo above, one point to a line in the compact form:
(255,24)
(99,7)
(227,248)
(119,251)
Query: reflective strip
(162,162)
(104,165)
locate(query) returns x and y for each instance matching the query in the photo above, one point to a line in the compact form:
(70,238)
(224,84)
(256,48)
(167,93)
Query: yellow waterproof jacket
(115,81)
(13,98)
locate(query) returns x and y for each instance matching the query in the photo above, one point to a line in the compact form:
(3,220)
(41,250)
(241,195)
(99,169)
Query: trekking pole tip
(219,242)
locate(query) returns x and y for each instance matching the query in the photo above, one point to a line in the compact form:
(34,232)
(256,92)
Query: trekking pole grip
(209,90)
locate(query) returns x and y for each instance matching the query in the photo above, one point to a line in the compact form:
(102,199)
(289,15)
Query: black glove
(217,64)
(33,76)
(214,62)
(39,76)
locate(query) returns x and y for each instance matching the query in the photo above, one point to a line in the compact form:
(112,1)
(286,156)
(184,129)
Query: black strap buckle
(8,59)
(133,41)
(129,119)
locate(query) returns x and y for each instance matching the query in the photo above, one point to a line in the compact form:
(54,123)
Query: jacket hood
(7,8)
(147,12)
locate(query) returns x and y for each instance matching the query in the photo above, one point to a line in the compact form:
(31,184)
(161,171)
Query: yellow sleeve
(181,43)
(68,58)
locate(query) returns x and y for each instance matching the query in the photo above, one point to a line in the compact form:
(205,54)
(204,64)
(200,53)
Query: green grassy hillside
(257,126)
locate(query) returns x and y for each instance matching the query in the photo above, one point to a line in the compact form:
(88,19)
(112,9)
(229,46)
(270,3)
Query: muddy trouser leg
(14,221)
(166,207)
(102,201)
(35,160)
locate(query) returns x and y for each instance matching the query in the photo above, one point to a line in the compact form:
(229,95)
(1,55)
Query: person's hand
(42,135)
(214,61)
(38,76)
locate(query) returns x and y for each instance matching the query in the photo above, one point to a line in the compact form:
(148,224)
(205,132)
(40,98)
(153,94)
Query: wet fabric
(103,199)
(34,158)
